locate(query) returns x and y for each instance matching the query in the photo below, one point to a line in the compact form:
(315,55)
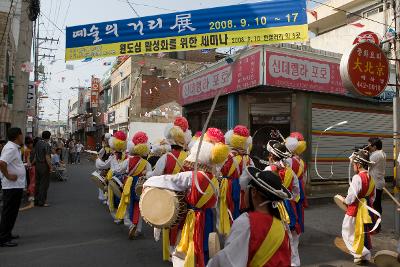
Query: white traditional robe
(349,222)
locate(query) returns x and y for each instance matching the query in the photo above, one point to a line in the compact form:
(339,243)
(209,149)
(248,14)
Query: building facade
(289,88)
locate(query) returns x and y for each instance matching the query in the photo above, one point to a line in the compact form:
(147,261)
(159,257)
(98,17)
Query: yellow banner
(296,33)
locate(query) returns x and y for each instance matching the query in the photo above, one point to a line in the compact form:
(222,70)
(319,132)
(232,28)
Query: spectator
(60,144)
(13,182)
(71,152)
(377,170)
(30,172)
(2,144)
(42,158)
(78,149)
(56,158)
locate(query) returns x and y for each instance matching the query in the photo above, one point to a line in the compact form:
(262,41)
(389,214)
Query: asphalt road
(78,231)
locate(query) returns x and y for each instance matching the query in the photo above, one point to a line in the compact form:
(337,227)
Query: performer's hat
(117,142)
(139,145)
(160,147)
(239,137)
(278,149)
(361,156)
(268,184)
(178,133)
(295,143)
(194,139)
(213,151)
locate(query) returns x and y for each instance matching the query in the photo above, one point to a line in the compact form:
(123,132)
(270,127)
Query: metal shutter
(333,145)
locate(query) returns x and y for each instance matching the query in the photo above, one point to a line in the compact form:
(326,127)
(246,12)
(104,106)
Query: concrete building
(336,28)
(289,88)
(9,31)
(144,89)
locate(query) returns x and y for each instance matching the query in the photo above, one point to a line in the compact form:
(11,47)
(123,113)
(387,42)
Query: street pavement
(78,231)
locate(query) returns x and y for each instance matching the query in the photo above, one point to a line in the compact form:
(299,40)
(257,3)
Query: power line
(348,12)
(151,6)
(129,3)
(55,25)
(8,16)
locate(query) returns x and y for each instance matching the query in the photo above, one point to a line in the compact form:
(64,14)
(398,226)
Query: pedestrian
(258,237)
(13,180)
(71,152)
(360,196)
(42,159)
(60,145)
(30,172)
(78,151)
(377,171)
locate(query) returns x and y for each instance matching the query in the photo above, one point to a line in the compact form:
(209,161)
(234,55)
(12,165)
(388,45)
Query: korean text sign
(365,70)
(238,25)
(243,74)
(94,92)
(283,70)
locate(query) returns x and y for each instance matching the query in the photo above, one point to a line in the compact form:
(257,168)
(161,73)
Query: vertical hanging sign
(94,92)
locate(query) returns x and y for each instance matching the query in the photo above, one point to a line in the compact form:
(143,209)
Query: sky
(57,14)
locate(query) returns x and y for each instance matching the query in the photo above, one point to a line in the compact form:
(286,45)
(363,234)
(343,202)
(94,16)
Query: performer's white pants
(128,222)
(348,229)
(294,246)
(101,195)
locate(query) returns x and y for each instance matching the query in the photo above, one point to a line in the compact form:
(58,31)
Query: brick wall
(156,92)
(198,56)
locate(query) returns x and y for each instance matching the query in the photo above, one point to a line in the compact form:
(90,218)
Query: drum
(139,185)
(213,244)
(162,208)
(116,186)
(339,200)
(99,180)
(386,258)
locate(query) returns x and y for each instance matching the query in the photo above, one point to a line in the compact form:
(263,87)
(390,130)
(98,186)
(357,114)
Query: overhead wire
(348,12)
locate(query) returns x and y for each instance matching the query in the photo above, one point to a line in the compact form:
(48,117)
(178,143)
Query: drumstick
(391,196)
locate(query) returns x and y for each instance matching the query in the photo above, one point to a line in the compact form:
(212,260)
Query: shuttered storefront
(337,144)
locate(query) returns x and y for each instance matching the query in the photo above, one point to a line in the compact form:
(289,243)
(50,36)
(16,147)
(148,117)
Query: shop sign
(367,36)
(365,70)
(229,78)
(94,92)
(300,73)
(111,117)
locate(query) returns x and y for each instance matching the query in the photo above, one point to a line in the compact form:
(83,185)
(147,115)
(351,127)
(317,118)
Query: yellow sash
(287,181)
(301,168)
(186,244)
(270,245)
(125,199)
(126,193)
(224,222)
(362,218)
(208,194)
(283,212)
(110,199)
(182,156)
(165,244)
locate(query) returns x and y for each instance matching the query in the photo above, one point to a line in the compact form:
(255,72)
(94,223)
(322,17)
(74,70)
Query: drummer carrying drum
(359,200)
(258,237)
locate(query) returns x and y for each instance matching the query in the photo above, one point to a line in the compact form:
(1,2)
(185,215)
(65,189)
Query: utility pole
(396,108)
(58,117)
(22,78)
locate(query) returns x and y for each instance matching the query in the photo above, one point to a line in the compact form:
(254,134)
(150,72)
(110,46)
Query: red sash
(365,180)
(260,225)
(171,161)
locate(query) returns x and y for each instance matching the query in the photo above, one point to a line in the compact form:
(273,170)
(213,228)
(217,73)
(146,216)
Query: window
(116,93)
(373,11)
(125,87)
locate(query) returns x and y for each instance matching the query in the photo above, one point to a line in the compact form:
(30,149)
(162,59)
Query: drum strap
(271,244)
(209,193)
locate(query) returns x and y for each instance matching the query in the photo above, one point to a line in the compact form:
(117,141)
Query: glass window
(125,87)
(116,93)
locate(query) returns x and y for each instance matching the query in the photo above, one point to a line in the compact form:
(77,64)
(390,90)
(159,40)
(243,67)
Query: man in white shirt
(377,170)
(13,180)
(78,147)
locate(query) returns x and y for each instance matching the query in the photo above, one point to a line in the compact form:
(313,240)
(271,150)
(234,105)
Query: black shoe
(14,237)
(8,244)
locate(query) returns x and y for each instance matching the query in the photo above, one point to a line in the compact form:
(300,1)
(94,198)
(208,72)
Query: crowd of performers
(258,215)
